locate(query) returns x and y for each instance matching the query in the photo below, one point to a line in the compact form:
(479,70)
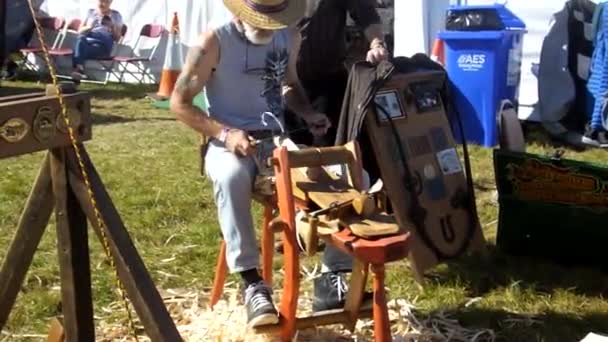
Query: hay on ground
(196,322)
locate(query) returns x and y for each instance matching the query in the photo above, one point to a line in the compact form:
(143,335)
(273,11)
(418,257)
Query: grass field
(149,164)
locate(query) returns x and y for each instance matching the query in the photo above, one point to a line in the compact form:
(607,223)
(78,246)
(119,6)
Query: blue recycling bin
(484,67)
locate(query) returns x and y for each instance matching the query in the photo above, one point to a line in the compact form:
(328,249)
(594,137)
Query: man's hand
(237,142)
(84,29)
(318,123)
(377,53)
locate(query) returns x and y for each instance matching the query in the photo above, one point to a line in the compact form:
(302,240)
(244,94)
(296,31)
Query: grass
(149,164)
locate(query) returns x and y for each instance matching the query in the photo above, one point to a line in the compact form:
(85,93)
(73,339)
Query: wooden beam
(139,286)
(21,96)
(45,124)
(31,226)
(3,52)
(73,251)
(338,316)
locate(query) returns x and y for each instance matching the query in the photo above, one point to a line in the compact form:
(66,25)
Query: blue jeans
(233,179)
(90,46)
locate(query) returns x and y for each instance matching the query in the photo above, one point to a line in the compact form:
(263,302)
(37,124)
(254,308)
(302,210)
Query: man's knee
(81,39)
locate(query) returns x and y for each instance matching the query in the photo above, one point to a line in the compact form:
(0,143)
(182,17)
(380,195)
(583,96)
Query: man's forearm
(198,120)
(297,101)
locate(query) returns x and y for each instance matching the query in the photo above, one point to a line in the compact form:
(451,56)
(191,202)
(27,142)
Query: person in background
(321,64)
(97,34)
(19,30)
(322,71)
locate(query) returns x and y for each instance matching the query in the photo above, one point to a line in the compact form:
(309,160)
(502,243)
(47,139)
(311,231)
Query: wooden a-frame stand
(60,186)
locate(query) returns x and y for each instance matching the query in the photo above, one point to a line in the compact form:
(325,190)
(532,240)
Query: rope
(83,171)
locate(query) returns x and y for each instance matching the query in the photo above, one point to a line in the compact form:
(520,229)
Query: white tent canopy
(416,24)
(195,17)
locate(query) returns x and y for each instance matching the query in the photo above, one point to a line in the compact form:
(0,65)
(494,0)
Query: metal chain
(85,176)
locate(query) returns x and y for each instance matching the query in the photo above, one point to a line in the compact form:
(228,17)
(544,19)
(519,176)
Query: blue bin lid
(465,35)
(508,18)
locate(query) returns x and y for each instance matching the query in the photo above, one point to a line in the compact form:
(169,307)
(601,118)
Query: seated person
(97,35)
(248,68)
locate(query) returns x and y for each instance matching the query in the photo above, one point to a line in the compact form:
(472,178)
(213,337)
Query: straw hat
(267,14)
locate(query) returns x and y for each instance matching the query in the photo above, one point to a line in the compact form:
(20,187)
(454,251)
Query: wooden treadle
(320,319)
(380,224)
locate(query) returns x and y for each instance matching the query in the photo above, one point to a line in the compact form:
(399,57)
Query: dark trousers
(88,47)
(326,94)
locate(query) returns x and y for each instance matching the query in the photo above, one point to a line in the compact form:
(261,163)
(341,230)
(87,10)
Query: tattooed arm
(201,60)
(295,95)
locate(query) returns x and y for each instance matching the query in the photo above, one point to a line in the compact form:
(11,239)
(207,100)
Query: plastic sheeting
(195,17)
(537,15)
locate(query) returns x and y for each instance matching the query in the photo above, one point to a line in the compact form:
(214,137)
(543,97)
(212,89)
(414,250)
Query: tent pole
(3,54)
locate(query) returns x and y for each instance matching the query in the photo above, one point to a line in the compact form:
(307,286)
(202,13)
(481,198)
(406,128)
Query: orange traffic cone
(438,52)
(174,60)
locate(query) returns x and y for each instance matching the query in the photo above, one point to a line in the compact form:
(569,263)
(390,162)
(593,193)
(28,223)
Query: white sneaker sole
(265,319)
(590,142)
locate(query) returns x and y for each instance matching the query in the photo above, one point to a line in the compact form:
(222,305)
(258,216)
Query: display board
(421,169)
(554,208)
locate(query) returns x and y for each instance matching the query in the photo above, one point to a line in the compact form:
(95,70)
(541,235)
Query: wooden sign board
(417,113)
(552,208)
(35,123)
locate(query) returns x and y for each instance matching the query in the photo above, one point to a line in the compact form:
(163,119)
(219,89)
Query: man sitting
(97,34)
(248,68)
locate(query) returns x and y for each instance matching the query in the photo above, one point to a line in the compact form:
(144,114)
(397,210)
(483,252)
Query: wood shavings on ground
(226,323)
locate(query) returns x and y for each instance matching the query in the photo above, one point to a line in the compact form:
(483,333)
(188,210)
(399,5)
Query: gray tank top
(247,81)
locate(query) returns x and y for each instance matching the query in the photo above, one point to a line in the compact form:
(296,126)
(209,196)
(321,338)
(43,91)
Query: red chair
(370,254)
(60,51)
(49,25)
(107,63)
(148,31)
(73,27)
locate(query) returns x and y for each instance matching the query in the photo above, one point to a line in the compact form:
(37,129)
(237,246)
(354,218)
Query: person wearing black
(321,64)
(324,77)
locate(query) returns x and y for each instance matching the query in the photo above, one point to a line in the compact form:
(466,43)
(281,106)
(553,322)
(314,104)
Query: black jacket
(364,81)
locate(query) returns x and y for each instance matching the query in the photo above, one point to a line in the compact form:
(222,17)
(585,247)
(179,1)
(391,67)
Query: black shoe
(8,75)
(260,309)
(595,137)
(330,292)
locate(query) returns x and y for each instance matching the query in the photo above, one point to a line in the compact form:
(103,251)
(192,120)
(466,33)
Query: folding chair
(151,31)
(60,51)
(107,63)
(66,52)
(52,24)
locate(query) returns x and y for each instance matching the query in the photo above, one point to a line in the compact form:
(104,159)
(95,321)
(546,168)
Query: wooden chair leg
(382,327)
(56,332)
(356,290)
(267,246)
(291,282)
(220,275)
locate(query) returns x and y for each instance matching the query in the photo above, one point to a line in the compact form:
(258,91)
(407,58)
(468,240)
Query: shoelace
(260,297)
(337,281)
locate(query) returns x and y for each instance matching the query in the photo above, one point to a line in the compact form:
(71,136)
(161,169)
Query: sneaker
(330,292)
(595,137)
(260,309)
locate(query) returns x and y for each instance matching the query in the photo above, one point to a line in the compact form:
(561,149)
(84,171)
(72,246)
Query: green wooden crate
(553,208)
